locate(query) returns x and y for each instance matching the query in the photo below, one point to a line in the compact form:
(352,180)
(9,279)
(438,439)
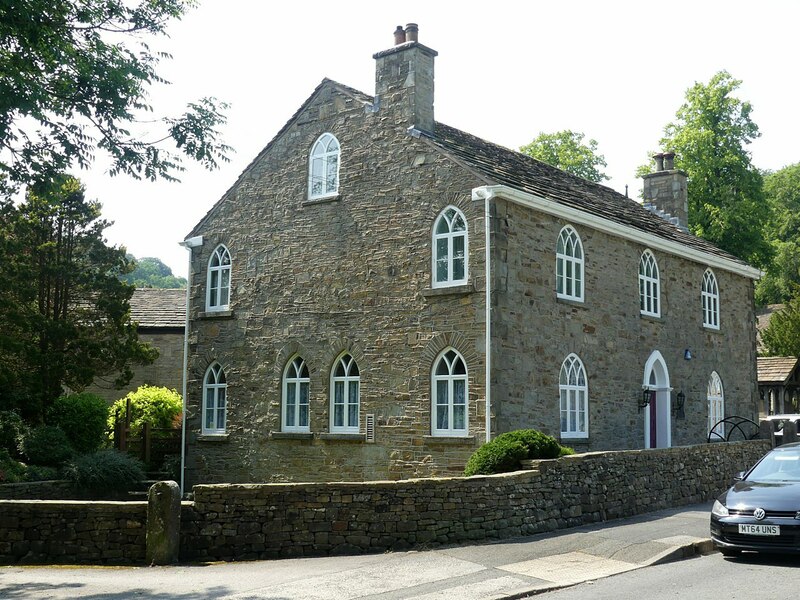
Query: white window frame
(573,393)
(450,358)
(351,375)
(295,376)
(710,299)
(219,267)
(215,399)
(649,285)
(450,215)
(715,395)
(570,280)
(321,154)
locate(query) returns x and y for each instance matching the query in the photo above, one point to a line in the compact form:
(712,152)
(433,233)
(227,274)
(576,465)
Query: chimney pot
(412,32)
(669,161)
(399,35)
(659,158)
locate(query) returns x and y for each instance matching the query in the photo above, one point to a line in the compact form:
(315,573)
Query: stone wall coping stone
(291,435)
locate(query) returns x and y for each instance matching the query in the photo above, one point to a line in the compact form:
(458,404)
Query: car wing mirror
(739,476)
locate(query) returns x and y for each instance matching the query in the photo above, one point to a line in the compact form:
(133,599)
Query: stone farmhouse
(379,293)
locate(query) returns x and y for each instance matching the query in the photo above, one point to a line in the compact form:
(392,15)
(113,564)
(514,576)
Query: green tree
(567,151)
(64,313)
(782,279)
(75,76)
(710,136)
(152,273)
(782,336)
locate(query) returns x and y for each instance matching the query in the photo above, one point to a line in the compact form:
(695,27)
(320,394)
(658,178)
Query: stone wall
(283,520)
(48,531)
(37,490)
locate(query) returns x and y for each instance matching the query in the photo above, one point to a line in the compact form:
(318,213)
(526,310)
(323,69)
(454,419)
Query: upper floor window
(649,285)
(449,395)
(219,280)
(716,407)
(345,383)
(215,405)
(450,248)
(574,396)
(295,396)
(323,167)
(710,295)
(569,265)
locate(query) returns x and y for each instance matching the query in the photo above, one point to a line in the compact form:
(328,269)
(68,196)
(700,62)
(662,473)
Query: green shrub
(104,472)
(11,471)
(38,473)
(12,430)
(538,444)
(83,417)
(46,445)
(502,454)
(158,406)
(497,456)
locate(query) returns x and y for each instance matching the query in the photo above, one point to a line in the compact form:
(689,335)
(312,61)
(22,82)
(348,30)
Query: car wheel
(730,552)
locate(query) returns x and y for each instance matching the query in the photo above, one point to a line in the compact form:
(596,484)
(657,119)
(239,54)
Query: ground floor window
(449,394)
(574,396)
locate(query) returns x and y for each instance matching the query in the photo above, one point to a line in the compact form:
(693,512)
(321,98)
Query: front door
(653,419)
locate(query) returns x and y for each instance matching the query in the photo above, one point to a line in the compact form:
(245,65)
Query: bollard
(163,523)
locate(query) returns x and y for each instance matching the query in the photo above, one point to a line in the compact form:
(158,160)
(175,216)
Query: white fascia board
(573,215)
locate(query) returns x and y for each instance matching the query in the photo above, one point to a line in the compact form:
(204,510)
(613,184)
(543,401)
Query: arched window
(295,396)
(450,248)
(449,395)
(649,286)
(345,383)
(323,167)
(574,393)
(710,295)
(215,402)
(716,407)
(569,265)
(219,280)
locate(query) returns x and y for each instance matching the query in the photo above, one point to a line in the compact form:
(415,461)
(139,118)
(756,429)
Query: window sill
(215,438)
(571,301)
(654,318)
(291,435)
(321,200)
(216,314)
(709,329)
(466,288)
(449,440)
(343,437)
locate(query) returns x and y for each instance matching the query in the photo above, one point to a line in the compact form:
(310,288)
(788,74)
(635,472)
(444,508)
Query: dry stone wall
(283,520)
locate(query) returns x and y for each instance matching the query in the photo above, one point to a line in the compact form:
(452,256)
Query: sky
(507,70)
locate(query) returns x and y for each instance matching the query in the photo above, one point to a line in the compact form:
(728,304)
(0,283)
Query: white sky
(507,70)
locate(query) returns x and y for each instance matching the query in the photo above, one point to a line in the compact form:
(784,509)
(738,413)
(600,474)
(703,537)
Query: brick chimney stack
(404,79)
(665,190)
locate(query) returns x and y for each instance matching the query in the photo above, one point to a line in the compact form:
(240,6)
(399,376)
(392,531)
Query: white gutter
(627,232)
(487,193)
(188,244)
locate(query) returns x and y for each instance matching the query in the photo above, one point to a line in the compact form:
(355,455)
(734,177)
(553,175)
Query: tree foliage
(75,80)
(710,135)
(64,313)
(567,151)
(782,279)
(782,336)
(151,272)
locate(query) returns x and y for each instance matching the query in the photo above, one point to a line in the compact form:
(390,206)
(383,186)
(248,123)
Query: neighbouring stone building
(342,328)
(160,315)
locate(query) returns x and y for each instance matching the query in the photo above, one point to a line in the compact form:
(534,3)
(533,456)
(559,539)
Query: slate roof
(775,369)
(502,166)
(159,309)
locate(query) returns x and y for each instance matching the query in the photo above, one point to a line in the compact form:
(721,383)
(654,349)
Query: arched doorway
(657,414)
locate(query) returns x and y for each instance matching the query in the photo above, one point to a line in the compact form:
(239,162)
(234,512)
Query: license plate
(760,529)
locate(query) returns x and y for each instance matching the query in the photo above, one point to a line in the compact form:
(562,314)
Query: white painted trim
(663,397)
(450,379)
(487,229)
(627,232)
(298,381)
(345,380)
(449,237)
(566,258)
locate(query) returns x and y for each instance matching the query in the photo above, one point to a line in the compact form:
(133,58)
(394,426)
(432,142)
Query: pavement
(513,568)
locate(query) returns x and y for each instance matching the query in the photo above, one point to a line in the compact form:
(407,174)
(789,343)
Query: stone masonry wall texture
(245,521)
(353,273)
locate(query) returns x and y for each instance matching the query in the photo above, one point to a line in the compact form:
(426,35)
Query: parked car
(761,511)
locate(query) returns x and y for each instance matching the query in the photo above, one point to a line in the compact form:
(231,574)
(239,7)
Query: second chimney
(666,189)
